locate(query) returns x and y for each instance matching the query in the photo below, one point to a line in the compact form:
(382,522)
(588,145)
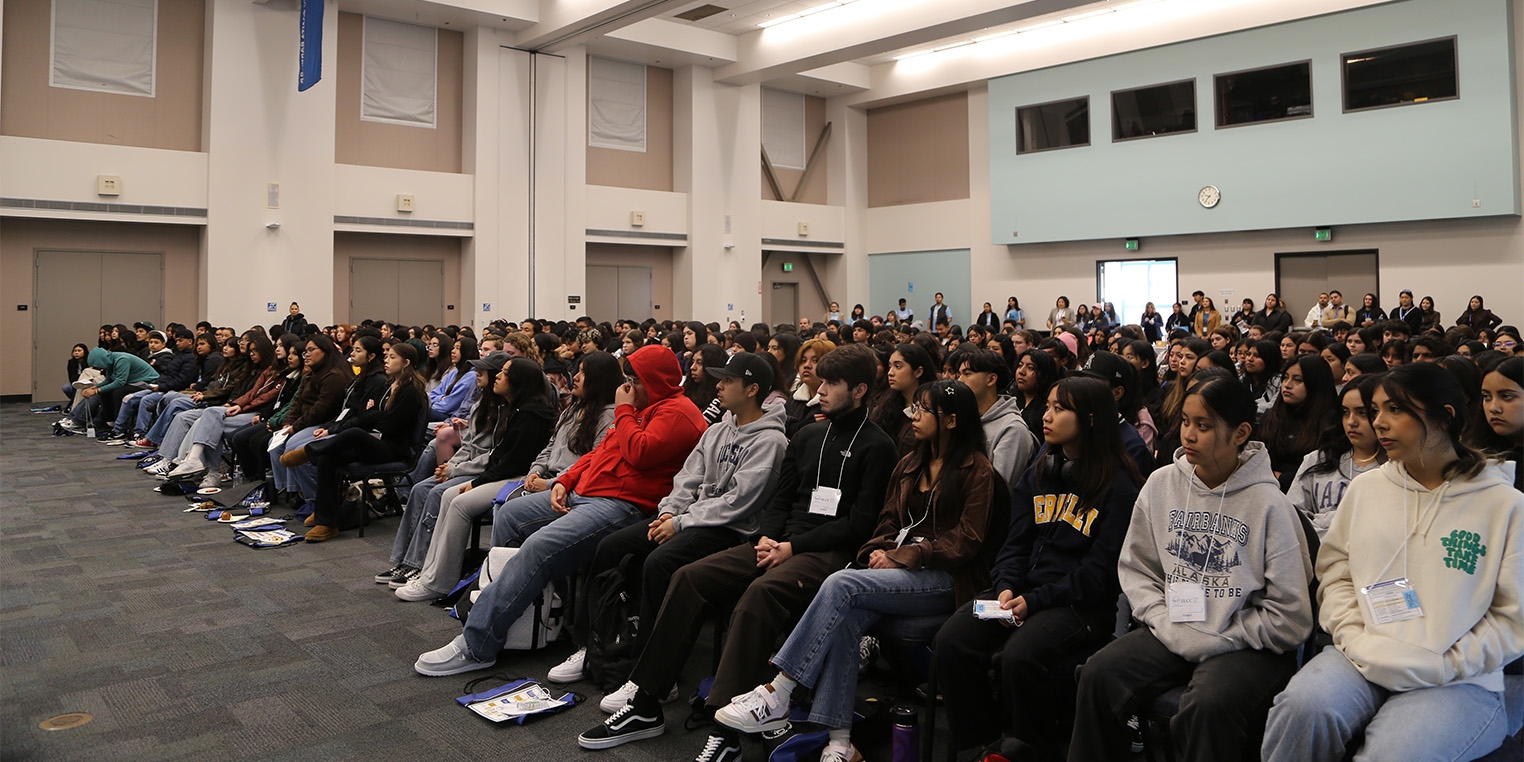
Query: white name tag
(342,413)
(1394,600)
(1187,602)
(824,500)
(899,539)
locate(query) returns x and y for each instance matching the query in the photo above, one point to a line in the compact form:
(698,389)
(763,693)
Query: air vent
(700,13)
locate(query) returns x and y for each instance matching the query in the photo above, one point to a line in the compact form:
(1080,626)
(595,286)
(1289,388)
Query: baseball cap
(748,367)
(158,335)
(1111,368)
(491,362)
(145,325)
(184,333)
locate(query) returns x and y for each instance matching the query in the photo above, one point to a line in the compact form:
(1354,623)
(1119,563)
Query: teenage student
(1215,567)
(1349,449)
(1503,408)
(1420,584)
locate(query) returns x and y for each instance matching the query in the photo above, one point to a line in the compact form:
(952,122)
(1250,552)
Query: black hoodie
(525,434)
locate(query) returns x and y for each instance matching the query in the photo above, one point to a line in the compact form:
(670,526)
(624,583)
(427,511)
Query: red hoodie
(643,451)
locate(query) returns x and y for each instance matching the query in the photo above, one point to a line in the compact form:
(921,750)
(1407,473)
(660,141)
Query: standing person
(1431,318)
(1245,316)
(1153,323)
(1408,312)
(1061,315)
(1215,567)
(833,315)
(1014,313)
(1274,316)
(1206,319)
(1314,317)
(830,488)
(1418,669)
(1350,449)
(618,484)
(1177,320)
(939,312)
(295,321)
(925,558)
(1477,317)
(1057,572)
(1370,312)
(987,318)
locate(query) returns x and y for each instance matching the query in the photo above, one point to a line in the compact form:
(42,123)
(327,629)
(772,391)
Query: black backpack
(613,610)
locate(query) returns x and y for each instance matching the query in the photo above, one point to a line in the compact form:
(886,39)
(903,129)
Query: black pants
(331,453)
(1222,714)
(766,606)
(657,565)
(248,444)
(1034,664)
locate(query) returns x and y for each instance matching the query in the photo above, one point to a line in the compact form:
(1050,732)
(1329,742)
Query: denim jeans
(427,461)
(1328,702)
(303,478)
(822,653)
(170,405)
(146,406)
(209,428)
(174,444)
(553,545)
(129,410)
(416,529)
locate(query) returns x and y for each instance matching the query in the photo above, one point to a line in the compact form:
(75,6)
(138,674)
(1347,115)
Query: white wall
(361,191)
(57,170)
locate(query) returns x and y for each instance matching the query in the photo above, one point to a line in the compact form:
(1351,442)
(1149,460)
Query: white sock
(841,737)
(196,451)
(783,685)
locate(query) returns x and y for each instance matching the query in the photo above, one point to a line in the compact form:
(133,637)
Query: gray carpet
(186,645)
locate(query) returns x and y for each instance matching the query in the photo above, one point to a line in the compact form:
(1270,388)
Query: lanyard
(820,460)
(1410,530)
(1216,519)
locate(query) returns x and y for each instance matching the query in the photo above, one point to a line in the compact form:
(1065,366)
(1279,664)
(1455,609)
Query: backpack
(613,620)
(539,625)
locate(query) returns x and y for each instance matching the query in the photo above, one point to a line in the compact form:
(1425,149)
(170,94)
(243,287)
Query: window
(104,45)
(1130,284)
(1399,76)
(1060,124)
(783,128)
(616,104)
(397,79)
(1152,111)
(1271,94)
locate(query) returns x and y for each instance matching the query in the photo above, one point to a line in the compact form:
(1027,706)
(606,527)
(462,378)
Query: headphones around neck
(1060,470)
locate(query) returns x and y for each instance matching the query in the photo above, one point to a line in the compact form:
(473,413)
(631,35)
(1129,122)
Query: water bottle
(906,733)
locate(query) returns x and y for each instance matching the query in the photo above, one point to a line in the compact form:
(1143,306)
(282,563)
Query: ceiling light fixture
(804,13)
(1048,24)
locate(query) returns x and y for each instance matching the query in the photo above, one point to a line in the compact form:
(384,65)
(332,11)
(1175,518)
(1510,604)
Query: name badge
(342,413)
(899,539)
(1187,602)
(823,501)
(1394,600)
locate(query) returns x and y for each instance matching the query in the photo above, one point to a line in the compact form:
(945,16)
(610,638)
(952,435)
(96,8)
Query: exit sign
(1323,234)
(788,267)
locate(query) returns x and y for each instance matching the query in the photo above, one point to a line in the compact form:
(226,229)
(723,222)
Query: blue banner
(311,56)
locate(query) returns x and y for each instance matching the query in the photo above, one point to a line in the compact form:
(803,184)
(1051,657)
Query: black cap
(491,362)
(749,368)
(184,333)
(1111,368)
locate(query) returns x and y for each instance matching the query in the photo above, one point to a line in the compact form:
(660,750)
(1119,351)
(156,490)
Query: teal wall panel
(891,275)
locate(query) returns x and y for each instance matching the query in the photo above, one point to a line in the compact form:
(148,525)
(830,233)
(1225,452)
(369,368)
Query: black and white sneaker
(720,748)
(622,727)
(1135,728)
(402,578)
(386,576)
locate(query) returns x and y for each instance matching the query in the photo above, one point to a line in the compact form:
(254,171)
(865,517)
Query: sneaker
(452,659)
(622,727)
(143,442)
(616,700)
(211,481)
(570,671)
(402,578)
(839,752)
(416,591)
(762,709)
(69,424)
(1136,729)
(867,654)
(719,748)
(386,576)
(191,468)
(161,469)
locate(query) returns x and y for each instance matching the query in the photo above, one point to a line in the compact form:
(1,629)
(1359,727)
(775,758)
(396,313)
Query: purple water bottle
(907,734)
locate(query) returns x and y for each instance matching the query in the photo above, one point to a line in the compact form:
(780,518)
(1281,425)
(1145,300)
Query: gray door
(783,307)
(420,292)
(634,293)
(1301,277)
(621,291)
(79,291)
(407,291)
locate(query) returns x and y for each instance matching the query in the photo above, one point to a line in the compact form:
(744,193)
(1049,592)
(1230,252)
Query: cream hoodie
(1461,546)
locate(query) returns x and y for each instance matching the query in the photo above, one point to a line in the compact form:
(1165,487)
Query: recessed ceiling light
(1087,14)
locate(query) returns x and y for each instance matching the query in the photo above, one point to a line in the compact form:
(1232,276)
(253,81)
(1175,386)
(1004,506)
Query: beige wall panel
(651,170)
(788,179)
(29,107)
(390,246)
(378,144)
(918,151)
(658,258)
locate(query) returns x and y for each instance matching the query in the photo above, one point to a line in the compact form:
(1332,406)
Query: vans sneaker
(622,727)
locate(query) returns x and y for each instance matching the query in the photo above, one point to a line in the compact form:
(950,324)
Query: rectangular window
(397,78)
(1130,284)
(1401,75)
(1270,94)
(106,46)
(616,104)
(1148,112)
(1059,124)
(783,128)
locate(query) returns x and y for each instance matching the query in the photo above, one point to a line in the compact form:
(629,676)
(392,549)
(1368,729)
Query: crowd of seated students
(1316,530)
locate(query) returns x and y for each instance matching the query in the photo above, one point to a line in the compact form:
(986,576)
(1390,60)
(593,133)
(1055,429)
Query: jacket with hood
(159,358)
(207,366)
(730,475)
(1008,440)
(261,395)
(297,324)
(179,373)
(478,439)
(525,433)
(453,392)
(120,369)
(557,455)
(825,454)
(364,389)
(319,398)
(1242,541)
(638,457)
(1060,553)
(1461,547)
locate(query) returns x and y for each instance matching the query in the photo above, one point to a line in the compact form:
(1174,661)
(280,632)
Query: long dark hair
(1335,442)
(372,346)
(261,345)
(887,407)
(1422,390)
(526,382)
(1047,376)
(1104,452)
(332,358)
(951,398)
(601,377)
(789,343)
(1224,397)
(1174,401)
(1490,441)
(468,352)
(1290,432)
(703,391)
(1270,354)
(437,366)
(411,381)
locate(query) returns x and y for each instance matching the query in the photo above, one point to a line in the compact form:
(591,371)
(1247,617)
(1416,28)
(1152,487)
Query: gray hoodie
(557,456)
(1243,541)
(1009,442)
(730,475)
(476,442)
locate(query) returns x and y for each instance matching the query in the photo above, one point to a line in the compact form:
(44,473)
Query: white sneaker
(451,659)
(570,671)
(416,591)
(835,752)
(191,467)
(210,481)
(626,693)
(761,710)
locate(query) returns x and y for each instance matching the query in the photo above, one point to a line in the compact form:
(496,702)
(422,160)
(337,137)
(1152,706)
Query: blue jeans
(170,405)
(147,404)
(553,545)
(303,478)
(173,443)
(427,461)
(416,530)
(821,653)
(129,410)
(1328,702)
(209,428)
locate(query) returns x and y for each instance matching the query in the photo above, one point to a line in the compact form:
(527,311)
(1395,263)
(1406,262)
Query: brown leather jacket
(954,535)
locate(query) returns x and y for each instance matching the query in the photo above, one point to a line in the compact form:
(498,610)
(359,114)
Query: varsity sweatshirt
(730,475)
(1317,495)
(1242,541)
(1461,548)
